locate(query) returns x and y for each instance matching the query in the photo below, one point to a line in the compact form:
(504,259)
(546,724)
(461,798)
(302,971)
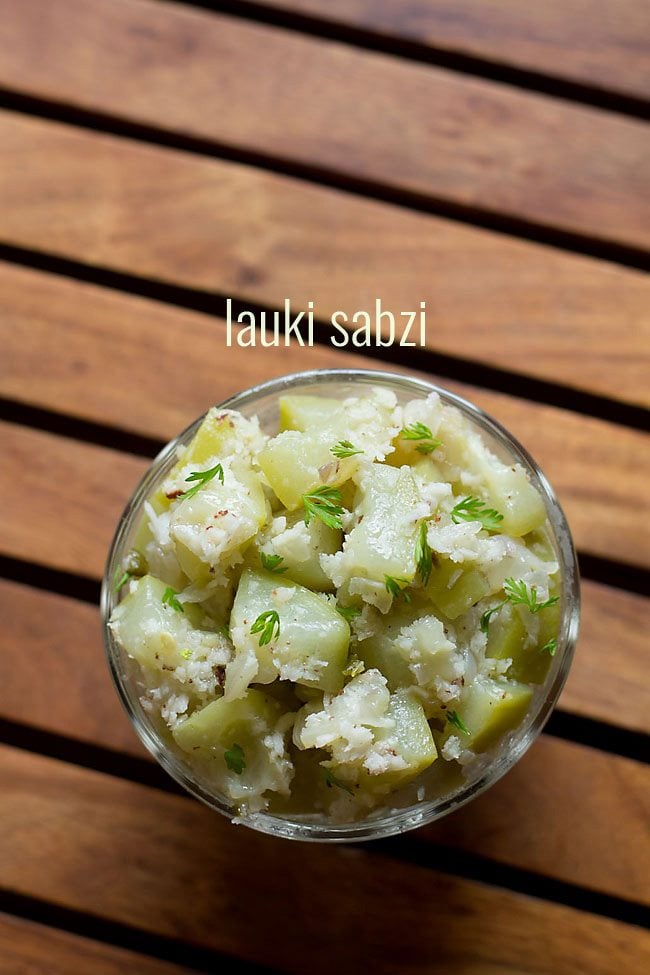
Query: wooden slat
(64,637)
(61,499)
(606,680)
(50,637)
(226,228)
(161,863)
(591,42)
(593,465)
(33,949)
(473,142)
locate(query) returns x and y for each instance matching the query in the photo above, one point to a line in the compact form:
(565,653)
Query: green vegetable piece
(382,543)
(151,634)
(488,709)
(254,768)
(409,740)
(453,590)
(235,759)
(348,613)
(311,640)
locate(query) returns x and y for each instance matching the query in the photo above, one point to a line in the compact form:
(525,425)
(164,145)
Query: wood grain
(50,637)
(590,42)
(64,637)
(229,229)
(595,466)
(470,141)
(58,334)
(33,949)
(162,863)
(61,499)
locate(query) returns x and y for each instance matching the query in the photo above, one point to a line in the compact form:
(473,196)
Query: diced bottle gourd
(312,645)
(489,709)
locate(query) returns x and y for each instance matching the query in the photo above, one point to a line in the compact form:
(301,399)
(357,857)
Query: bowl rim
(387,822)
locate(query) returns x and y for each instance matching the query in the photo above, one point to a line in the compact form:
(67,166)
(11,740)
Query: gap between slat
(214,304)
(427,53)
(449,860)
(602,248)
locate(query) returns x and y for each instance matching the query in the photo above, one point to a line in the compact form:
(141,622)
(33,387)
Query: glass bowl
(404,810)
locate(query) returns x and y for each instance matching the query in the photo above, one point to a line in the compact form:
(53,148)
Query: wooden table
(156,158)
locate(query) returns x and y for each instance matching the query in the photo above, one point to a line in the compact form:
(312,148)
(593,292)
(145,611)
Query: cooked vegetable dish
(360,605)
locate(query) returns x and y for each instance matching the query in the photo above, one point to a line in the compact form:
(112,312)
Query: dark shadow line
(510,225)
(476,65)
(214,304)
(118,935)
(474,866)
(459,863)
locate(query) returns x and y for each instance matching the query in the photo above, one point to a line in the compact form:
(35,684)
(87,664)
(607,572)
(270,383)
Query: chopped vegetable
(319,615)
(235,759)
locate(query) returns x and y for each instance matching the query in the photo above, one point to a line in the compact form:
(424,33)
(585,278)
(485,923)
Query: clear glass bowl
(404,811)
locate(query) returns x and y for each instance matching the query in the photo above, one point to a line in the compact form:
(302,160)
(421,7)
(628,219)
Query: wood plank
(161,863)
(237,231)
(470,141)
(593,465)
(50,637)
(76,328)
(33,949)
(64,637)
(589,42)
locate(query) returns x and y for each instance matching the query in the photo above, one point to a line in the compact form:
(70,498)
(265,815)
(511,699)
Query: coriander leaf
(354,667)
(235,759)
(202,477)
(268,626)
(518,593)
(428,448)
(550,647)
(134,566)
(345,449)
(420,431)
(423,554)
(416,431)
(330,780)
(186,654)
(395,585)
(169,597)
(273,563)
(120,579)
(454,718)
(348,613)
(324,503)
(487,616)
(473,509)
